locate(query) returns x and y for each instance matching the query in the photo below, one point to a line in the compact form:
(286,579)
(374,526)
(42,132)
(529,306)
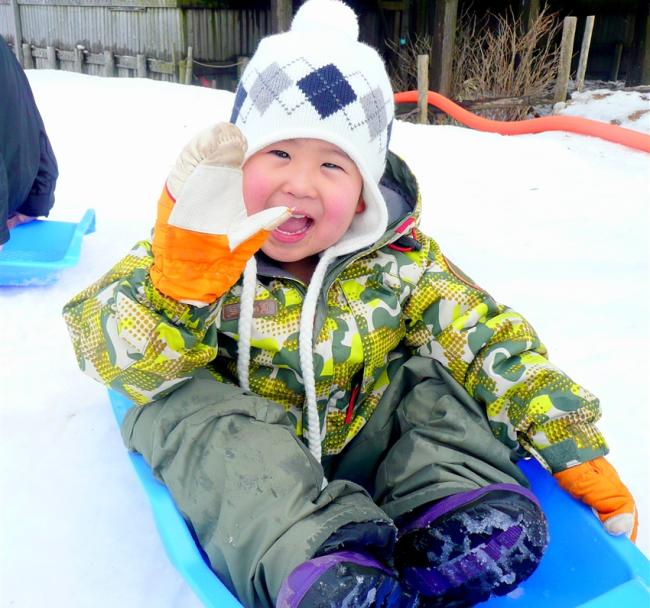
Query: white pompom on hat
(318,81)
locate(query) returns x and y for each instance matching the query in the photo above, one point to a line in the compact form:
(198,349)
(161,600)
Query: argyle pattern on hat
(326,90)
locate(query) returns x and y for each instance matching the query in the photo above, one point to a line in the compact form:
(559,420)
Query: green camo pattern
(129,336)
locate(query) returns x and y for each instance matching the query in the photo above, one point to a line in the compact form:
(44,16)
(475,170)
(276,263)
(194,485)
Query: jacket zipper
(352,403)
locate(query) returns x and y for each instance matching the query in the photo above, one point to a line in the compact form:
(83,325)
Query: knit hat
(317,81)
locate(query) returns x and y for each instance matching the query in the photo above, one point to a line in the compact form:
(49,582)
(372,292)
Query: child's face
(315,178)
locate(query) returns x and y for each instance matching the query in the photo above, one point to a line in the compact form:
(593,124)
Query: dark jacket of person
(28,169)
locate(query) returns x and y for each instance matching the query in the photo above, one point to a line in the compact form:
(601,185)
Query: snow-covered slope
(555,225)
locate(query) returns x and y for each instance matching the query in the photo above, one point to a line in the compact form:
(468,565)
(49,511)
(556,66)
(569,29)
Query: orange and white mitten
(597,484)
(203,237)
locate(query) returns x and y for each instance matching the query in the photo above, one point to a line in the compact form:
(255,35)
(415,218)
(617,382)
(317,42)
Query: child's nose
(300,184)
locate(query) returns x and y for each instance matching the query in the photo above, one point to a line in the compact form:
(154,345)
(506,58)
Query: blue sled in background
(583,566)
(38,251)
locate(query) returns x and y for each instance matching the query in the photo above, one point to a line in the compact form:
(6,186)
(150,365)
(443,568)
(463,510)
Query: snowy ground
(556,225)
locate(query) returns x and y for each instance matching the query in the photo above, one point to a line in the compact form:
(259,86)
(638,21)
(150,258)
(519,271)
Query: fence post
(281,12)
(584,53)
(78,59)
(51,58)
(109,64)
(616,65)
(18,30)
(423,88)
(566,52)
(446,16)
(242,62)
(28,60)
(188,65)
(174,72)
(141,65)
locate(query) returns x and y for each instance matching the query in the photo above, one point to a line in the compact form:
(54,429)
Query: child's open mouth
(294,228)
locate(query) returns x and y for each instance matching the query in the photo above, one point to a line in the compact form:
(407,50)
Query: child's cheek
(341,210)
(255,192)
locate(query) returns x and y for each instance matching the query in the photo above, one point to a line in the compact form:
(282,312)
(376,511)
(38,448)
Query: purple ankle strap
(303,577)
(455,501)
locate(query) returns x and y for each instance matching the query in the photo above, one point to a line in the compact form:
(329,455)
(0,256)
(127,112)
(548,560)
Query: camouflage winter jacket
(401,295)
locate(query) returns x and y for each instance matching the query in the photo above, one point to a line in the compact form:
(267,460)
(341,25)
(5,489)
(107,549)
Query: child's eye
(279,153)
(332,166)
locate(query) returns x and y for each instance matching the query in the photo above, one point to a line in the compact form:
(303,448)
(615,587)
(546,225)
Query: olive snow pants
(254,494)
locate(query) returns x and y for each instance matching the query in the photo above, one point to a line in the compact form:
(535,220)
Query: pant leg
(427,439)
(250,489)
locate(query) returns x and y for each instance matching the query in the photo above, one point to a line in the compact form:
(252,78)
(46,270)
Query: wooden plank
(110,4)
(94,58)
(616,61)
(189,64)
(125,61)
(445,39)
(584,52)
(242,62)
(51,58)
(78,59)
(18,30)
(645,57)
(28,59)
(497,103)
(423,88)
(566,53)
(141,65)
(393,5)
(281,13)
(506,102)
(161,67)
(106,59)
(529,12)
(109,64)
(69,56)
(638,65)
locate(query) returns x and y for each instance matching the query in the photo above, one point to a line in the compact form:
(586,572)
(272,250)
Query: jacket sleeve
(496,355)
(131,337)
(40,199)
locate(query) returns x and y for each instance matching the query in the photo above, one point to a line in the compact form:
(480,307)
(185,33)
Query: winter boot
(464,548)
(343,579)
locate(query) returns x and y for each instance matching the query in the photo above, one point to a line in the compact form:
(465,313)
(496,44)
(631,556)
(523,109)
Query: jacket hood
(401,193)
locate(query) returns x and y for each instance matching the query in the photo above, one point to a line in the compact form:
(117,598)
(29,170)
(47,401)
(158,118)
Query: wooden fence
(108,63)
(148,38)
(561,84)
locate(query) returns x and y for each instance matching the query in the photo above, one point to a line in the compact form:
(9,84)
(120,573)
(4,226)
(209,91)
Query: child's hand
(203,237)
(17,219)
(597,484)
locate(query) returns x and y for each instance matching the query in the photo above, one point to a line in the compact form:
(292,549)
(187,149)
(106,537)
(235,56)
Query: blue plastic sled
(583,566)
(38,251)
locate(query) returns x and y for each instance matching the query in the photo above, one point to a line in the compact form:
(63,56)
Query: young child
(338,415)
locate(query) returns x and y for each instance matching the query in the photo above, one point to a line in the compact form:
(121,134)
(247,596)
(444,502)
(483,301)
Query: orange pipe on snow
(572,124)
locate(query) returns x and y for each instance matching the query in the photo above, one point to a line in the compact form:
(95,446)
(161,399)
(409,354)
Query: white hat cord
(246,305)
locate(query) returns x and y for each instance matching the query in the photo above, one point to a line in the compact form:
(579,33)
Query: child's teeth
(295,224)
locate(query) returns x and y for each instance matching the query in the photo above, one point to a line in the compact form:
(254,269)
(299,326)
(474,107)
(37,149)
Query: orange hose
(572,124)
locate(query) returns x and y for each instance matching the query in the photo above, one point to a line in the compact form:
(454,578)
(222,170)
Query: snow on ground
(628,109)
(555,225)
